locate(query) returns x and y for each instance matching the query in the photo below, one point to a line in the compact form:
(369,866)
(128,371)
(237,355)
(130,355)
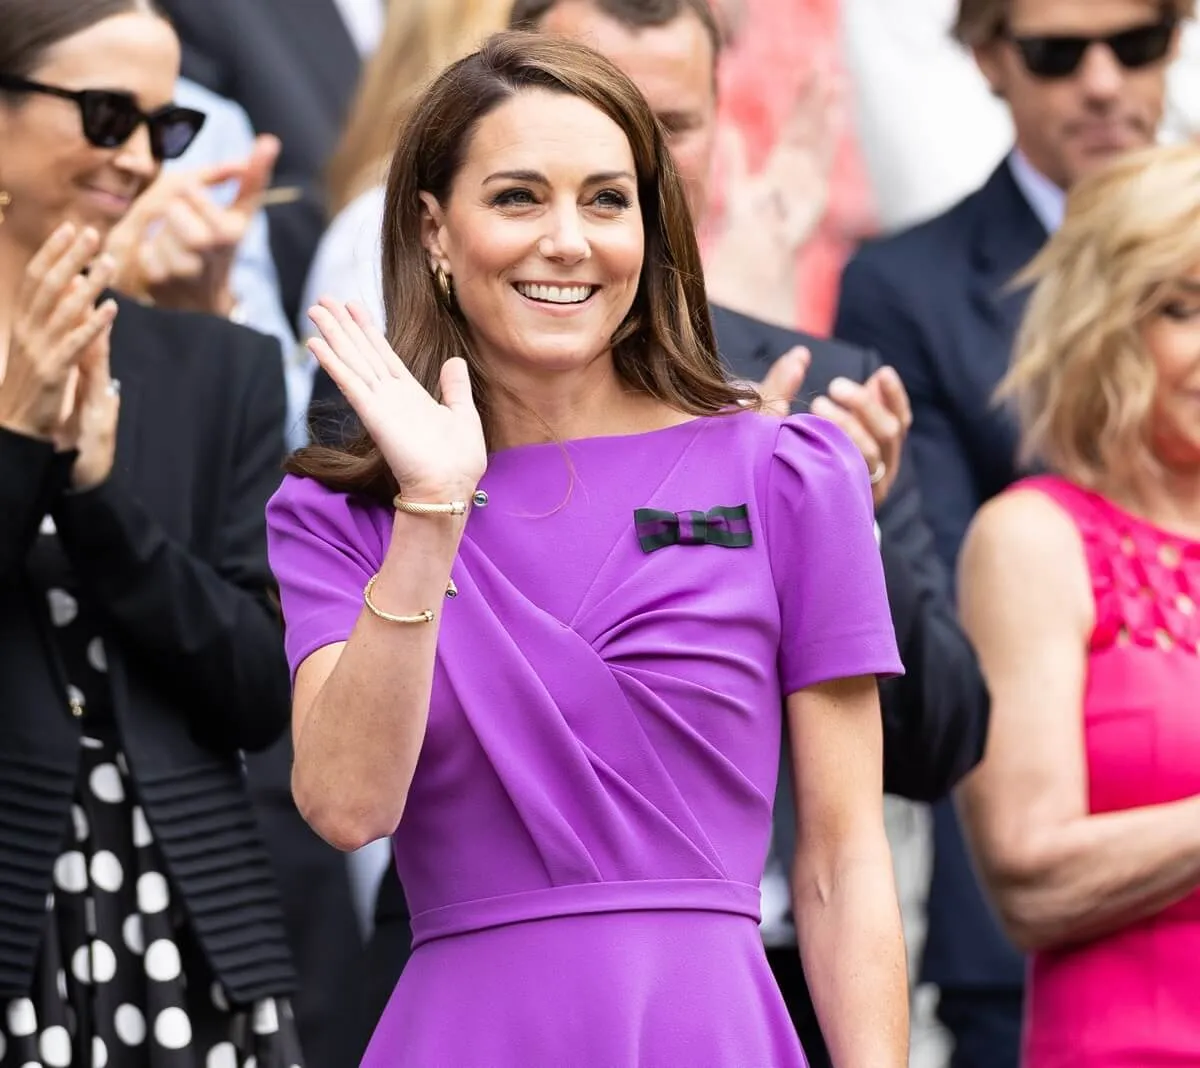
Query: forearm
(852,944)
(358,744)
(1097,874)
(213,642)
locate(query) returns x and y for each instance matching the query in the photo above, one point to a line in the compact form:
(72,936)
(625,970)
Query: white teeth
(555,294)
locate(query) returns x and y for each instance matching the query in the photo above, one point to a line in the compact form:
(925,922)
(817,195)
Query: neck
(534,408)
(13,261)
(1169,498)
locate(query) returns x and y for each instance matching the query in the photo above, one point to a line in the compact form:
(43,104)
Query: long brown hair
(664,348)
(420,38)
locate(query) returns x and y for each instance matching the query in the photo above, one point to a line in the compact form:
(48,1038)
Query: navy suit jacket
(937,301)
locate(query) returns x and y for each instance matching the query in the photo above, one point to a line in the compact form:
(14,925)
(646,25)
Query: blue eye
(514,198)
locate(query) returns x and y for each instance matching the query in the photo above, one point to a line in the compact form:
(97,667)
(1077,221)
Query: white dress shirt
(1048,201)
(364,22)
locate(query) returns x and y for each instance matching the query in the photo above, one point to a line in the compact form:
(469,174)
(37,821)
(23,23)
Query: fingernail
(821,404)
(841,387)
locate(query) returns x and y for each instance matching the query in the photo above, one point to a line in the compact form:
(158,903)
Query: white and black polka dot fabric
(120,981)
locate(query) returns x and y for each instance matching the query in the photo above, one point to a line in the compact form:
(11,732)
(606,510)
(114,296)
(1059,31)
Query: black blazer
(294,68)
(171,551)
(935,717)
(935,300)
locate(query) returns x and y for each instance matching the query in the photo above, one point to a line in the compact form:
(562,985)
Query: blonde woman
(1079,590)
(420,38)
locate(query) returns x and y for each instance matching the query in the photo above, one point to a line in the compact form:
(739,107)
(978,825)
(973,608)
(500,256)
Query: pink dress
(1131,999)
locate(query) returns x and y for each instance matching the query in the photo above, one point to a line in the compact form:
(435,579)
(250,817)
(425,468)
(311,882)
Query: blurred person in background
(1084,81)
(293,65)
(1079,588)
(140,648)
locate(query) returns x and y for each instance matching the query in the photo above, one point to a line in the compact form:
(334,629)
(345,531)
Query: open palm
(435,450)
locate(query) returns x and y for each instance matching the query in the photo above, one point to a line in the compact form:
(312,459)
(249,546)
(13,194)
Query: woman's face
(541,234)
(49,169)
(1172,337)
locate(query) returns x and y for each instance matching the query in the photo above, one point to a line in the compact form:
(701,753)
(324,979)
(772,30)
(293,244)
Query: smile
(555,294)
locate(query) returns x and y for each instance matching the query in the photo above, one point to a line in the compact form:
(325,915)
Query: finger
(76,343)
(895,396)
(783,381)
(348,380)
(333,334)
(256,175)
(80,295)
(389,361)
(854,430)
(186,221)
(177,260)
(62,272)
(456,386)
(733,152)
(863,405)
(225,227)
(53,247)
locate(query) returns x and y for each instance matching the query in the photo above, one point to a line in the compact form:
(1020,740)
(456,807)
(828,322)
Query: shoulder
(363,216)
(303,508)
(190,332)
(1027,532)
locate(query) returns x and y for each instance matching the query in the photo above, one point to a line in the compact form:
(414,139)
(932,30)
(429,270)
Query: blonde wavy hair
(1082,380)
(420,39)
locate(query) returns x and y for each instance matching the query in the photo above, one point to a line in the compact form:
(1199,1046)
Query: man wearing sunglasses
(1084,80)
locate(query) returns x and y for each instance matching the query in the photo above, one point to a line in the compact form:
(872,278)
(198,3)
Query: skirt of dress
(120,980)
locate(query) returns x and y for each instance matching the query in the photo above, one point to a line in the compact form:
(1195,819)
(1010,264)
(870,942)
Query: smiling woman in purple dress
(545,616)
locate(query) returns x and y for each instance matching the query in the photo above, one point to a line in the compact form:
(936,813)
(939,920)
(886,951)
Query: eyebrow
(540,179)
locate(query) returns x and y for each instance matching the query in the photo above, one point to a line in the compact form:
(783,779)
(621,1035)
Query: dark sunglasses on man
(1059,57)
(110,118)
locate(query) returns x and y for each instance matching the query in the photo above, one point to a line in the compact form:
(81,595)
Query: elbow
(339,819)
(1032,914)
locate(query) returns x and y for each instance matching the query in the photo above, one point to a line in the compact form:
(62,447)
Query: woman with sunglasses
(140,651)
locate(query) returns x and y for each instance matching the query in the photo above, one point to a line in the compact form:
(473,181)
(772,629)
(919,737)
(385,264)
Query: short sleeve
(834,617)
(324,547)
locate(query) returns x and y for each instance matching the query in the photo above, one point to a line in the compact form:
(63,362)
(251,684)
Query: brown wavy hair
(665,347)
(1082,380)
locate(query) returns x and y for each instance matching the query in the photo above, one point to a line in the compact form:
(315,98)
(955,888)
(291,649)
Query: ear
(989,58)
(433,221)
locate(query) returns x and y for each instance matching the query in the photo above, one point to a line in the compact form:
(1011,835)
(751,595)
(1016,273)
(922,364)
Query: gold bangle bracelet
(424,617)
(419,508)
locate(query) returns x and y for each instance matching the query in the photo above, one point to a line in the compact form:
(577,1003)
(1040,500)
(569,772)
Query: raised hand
(177,246)
(436,451)
(55,324)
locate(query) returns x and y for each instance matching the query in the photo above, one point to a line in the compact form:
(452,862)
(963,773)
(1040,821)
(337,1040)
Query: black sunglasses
(110,117)
(1059,57)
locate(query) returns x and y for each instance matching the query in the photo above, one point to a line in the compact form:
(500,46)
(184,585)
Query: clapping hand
(436,451)
(177,246)
(56,326)
(876,415)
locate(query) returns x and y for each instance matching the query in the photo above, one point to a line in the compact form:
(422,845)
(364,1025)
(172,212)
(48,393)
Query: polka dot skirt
(120,981)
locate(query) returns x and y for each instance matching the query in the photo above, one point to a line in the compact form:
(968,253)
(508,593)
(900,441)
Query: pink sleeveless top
(1131,999)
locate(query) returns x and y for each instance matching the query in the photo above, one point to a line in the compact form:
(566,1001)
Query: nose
(1100,73)
(565,241)
(135,157)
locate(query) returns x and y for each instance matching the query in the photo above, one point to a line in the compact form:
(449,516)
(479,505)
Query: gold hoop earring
(442,280)
(5,200)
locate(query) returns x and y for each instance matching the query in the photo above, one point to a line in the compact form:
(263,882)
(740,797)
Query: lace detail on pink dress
(1144,579)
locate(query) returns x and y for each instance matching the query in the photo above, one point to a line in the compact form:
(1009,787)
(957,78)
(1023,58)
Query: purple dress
(587,826)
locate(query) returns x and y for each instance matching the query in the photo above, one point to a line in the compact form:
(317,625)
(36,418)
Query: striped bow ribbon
(729,527)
